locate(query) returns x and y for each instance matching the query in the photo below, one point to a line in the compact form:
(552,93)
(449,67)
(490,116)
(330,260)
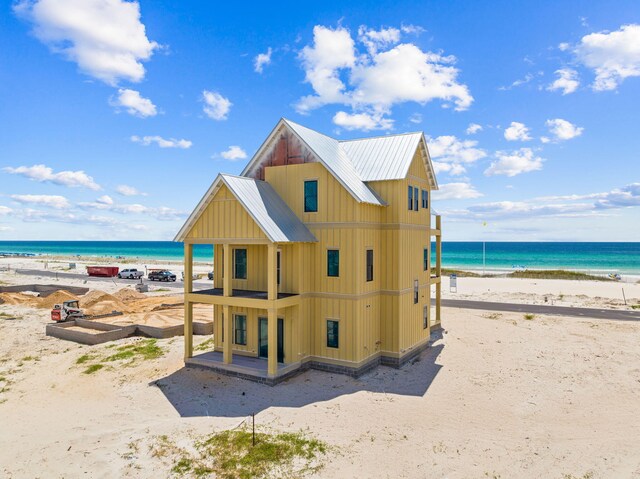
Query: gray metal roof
(382,157)
(270,212)
(263,204)
(330,153)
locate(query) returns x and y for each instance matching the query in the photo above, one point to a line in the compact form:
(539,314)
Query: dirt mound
(18,298)
(128,294)
(57,297)
(99,302)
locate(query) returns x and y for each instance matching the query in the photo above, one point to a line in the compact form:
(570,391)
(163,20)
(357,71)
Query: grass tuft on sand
(556,274)
(232,455)
(144,350)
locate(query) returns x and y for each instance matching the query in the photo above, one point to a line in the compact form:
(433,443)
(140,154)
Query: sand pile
(99,302)
(57,297)
(127,295)
(18,298)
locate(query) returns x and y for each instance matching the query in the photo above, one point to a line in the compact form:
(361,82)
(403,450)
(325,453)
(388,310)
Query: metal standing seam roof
(329,152)
(383,157)
(269,210)
(263,204)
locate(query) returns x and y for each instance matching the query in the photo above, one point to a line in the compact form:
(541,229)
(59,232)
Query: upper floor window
(369,265)
(425,199)
(333,262)
(425,317)
(410,198)
(240,263)
(311,196)
(416,200)
(425,259)
(415,291)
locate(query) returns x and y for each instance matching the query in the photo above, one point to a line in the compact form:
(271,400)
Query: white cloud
(473,128)
(456,191)
(567,81)
(564,46)
(562,206)
(105,38)
(135,104)
(5,210)
(105,199)
(126,190)
(412,29)
(52,201)
(362,121)
(261,60)
(381,75)
(162,142)
(450,154)
(216,106)
(375,40)
(415,118)
(562,129)
(42,173)
(234,153)
(6,228)
(517,132)
(613,56)
(514,163)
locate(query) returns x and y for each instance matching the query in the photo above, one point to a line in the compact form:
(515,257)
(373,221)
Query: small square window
(311,196)
(333,263)
(332,333)
(241,330)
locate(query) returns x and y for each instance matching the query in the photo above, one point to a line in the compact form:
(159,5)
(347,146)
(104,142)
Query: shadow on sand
(195,392)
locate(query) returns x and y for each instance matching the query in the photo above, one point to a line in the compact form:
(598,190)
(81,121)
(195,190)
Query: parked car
(210,275)
(130,274)
(162,275)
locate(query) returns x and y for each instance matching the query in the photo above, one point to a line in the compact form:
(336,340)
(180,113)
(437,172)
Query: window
(369,265)
(240,263)
(240,329)
(311,196)
(425,317)
(410,198)
(333,262)
(425,259)
(415,199)
(425,199)
(415,292)
(332,333)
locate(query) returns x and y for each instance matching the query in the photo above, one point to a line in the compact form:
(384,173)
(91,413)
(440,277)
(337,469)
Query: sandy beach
(497,395)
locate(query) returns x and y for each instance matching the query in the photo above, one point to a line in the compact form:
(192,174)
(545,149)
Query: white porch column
(188,306)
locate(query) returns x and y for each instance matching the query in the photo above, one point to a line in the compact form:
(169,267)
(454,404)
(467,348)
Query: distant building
(322,256)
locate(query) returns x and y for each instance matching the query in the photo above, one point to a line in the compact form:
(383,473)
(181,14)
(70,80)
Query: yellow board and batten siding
(375,317)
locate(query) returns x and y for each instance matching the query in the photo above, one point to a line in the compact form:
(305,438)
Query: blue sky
(117,116)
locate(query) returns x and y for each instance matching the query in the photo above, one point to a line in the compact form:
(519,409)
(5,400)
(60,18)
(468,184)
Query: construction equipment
(67,311)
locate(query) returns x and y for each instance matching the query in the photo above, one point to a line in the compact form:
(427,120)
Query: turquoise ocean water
(594,257)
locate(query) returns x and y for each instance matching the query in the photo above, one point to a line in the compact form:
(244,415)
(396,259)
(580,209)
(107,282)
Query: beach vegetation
(556,274)
(529,316)
(84,358)
(93,368)
(9,316)
(233,455)
(206,345)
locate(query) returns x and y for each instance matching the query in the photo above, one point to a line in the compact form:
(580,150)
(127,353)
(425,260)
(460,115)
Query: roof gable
(262,203)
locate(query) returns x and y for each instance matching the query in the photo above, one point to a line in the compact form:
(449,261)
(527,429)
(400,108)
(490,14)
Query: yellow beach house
(322,256)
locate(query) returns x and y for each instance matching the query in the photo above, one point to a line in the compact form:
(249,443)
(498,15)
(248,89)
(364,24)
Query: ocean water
(499,256)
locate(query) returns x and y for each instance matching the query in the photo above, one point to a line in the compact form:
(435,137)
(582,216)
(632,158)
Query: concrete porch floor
(246,367)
